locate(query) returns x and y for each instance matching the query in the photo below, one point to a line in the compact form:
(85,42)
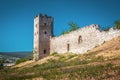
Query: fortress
(78,41)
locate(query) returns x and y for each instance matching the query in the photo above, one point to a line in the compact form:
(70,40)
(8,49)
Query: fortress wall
(81,40)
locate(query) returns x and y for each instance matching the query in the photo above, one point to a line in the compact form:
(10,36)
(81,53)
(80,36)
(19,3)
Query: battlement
(43,16)
(91,27)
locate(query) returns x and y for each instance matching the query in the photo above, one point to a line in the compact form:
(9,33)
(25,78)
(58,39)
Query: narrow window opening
(45,32)
(44,51)
(79,39)
(45,24)
(68,47)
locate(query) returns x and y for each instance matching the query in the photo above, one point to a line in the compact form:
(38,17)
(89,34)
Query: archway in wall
(79,39)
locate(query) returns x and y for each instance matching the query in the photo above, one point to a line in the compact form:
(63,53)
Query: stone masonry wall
(81,40)
(43,30)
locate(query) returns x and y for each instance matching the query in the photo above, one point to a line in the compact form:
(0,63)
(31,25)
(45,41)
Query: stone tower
(43,31)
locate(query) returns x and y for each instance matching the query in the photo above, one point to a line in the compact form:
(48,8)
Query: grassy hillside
(101,63)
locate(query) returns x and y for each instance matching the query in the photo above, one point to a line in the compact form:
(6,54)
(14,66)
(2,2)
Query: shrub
(117,24)
(73,27)
(1,66)
(54,53)
(36,66)
(21,60)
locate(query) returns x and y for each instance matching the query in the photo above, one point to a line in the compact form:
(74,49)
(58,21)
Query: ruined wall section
(82,40)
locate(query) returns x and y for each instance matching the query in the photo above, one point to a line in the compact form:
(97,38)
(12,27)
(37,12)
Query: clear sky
(16,18)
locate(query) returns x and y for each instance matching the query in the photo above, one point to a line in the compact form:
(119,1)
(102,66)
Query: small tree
(21,60)
(117,24)
(72,26)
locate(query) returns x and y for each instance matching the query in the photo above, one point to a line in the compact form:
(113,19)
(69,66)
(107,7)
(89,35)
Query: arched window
(79,39)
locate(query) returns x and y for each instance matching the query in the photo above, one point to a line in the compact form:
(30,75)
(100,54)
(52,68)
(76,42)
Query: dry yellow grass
(102,62)
(32,62)
(108,49)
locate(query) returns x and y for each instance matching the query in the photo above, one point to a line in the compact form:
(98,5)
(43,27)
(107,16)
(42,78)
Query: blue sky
(16,18)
